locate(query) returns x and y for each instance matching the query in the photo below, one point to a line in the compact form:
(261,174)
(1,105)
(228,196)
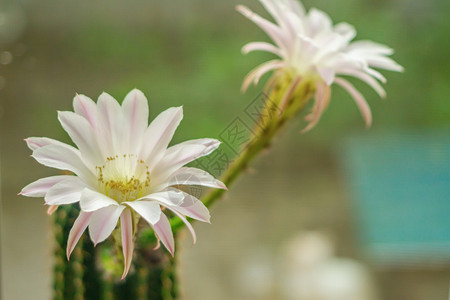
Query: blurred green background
(188,53)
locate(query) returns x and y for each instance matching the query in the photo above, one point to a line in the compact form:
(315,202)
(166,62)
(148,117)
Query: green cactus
(94,272)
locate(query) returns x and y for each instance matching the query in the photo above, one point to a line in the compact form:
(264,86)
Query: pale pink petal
(370,48)
(208,146)
(367,79)
(158,243)
(383,63)
(294,24)
(41,186)
(83,135)
(188,225)
(135,111)
(272,30)
(194,176)
(375,74)
(296,7)
(286,13)
(322,98)
(38,142)
(177,156)
(65,192)
(126,223)
(164,232)
(259,71)
(103,221)
(327,75)
(346,30)
(261,46)
(149,210)
(77,230)
(85,107)
(317,22)
(190,207)
(159,134)
(331,42)
(342,61)
(51,209)
(306,50)
(63,158)
(169,197)
(359,99)
(92,200)
(111,120)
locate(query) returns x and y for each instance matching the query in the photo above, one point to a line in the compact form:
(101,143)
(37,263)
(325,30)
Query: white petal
(38,142)
(306,50)
(327,75)
(111,131)
(183,153)
(384,63)
(85,107)
(83,135)
(103,222)
(194,176)
(296,7)
(273,31)
(342,61)
(77,230)
(65,192)
(345,30)
(330,42)
(163,230)
(126,223)
(375,74)
(317,22)
(208,146)
(159,134)
(370,47)
(188,225)
(63,158)
(261,46)
(288,14)
(191,207)
(135,112)
(187,205)
(41,186)
(91,200)
(367,79)
(171,197)
(259,71)
(149,210)
(359,99)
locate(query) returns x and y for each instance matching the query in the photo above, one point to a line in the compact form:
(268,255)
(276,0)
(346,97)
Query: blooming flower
(311,48)
(123,166)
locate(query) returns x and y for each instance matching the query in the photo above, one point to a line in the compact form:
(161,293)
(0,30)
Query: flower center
(124,178)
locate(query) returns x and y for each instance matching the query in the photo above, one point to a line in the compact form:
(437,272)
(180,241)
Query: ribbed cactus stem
(169,280)
(78,272)
(60,220)
(141,279)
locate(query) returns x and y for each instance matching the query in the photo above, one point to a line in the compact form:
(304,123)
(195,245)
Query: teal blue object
(400,185)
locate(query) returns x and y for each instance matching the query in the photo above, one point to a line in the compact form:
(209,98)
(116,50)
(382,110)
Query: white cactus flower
(311,48)
(122,166)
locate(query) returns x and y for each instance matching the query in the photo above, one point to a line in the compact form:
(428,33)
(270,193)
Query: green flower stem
(271,121)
